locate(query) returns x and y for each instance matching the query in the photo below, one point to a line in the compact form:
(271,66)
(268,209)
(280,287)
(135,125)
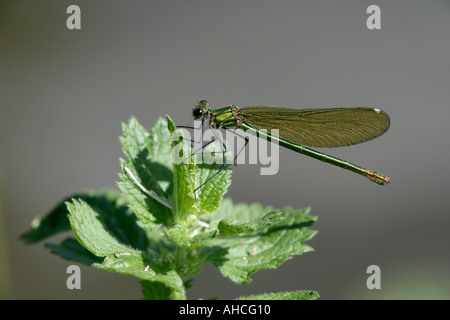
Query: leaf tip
(170,124)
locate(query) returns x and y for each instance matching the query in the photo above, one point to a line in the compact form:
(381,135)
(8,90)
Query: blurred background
(64,93)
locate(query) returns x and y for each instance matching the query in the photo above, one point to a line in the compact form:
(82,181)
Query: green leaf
(56,220)
(189,236)
(90,230)
(297,295)
(71,249)
(210,195)
(239,256)
(150,162)
(226,229)
(184,176)
(188,176)
(155,290)
(149,159)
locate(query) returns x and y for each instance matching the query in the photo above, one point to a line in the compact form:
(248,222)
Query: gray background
(64,93)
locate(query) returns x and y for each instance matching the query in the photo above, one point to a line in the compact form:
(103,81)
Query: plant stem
(180,266)
(178,294)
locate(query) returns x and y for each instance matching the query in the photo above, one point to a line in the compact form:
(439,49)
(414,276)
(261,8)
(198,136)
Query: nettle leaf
(155,290)
(239,256)
(296,295)
(189,175)
(210,195)
(149,161)
(56,220)
(189,236)
(184,175)
(90,230)
(153,167)
(225,229)
(71,249)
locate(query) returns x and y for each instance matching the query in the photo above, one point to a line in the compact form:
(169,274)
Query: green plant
(164,235)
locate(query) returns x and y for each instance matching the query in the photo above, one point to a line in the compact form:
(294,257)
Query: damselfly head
(200,109)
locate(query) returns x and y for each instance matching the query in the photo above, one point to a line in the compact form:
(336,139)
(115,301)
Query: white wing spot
(377,110)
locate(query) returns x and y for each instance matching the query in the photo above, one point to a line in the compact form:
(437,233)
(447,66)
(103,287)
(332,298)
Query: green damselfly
(299,129)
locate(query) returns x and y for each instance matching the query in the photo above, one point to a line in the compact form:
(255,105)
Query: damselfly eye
(203,104)
(197,112)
